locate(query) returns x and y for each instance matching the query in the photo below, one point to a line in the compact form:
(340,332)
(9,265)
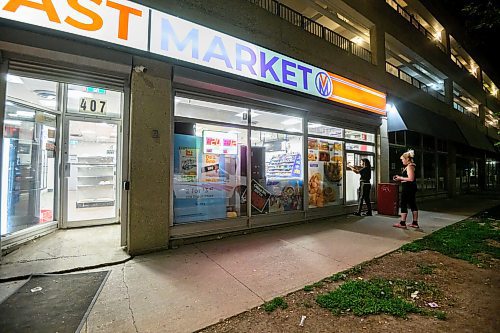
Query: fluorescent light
(357,40)
(292,121)
(14,79)
(48,103)
(390,108)
(9,103)
(12,122)
(312,125)
(26,114)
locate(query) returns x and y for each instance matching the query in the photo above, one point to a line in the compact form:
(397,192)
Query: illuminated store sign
(220,143)
(117,21)
(126,23)
(176,38)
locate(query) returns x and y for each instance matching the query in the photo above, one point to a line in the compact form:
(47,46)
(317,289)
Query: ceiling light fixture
(292,121)
(14,79)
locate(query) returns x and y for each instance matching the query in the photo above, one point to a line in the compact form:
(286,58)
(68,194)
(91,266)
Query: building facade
(184,120)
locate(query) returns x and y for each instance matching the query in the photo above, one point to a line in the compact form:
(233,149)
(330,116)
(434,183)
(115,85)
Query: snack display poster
(286,195)
(325,158)
(284,166)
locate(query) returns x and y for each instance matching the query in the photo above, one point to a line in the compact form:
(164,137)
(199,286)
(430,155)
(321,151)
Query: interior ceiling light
(14,79)
(45,94)
(312,125)
(292,121)
(357,40)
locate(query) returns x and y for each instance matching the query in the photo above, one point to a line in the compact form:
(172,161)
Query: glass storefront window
(442,172)
(276,169)
(323,130)
(412,139)
(209,172)
(359,136)
(276,121)
(429,143)
(429,179)
(34,92)
(29,168)
(193,108)
(325,158)
(94,101)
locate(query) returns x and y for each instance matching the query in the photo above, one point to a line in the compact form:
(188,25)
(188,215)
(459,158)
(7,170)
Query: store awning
(476,139)
(406,116)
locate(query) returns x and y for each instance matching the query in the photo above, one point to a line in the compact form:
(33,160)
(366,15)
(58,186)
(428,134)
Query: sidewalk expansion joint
(308,249)
(65,271)
(225,270)
(128,299)
(43,259)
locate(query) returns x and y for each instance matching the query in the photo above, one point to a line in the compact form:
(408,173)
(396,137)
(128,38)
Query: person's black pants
(364,195)
(408,197)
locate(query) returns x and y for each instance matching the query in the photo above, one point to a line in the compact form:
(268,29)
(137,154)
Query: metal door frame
(64,223)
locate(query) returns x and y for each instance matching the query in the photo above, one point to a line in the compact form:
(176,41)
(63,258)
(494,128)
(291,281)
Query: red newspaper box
(388,198)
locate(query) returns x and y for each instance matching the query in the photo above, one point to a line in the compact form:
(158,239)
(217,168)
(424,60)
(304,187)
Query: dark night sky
(475,24)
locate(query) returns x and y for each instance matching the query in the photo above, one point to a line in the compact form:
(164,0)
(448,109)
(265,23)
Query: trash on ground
(36,289)
(414,294)
(302,319)
(433,305)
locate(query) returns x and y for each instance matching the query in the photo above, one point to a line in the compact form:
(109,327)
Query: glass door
(29,169)
(90,169)
(352,179)
(29,177)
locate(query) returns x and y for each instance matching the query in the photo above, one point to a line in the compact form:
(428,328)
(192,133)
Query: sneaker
(414,225)
(367,214)
(399,225)
(356,213)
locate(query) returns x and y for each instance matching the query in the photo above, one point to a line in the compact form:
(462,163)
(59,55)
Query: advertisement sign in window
(220,143)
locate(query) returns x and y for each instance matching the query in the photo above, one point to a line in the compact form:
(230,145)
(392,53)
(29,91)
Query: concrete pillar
(481,174)
(448,91)
(482,114)
(150,191)
(445,40)
(383,153)
(377,45)
(452,169)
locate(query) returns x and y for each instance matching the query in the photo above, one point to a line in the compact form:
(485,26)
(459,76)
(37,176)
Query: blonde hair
(409,155)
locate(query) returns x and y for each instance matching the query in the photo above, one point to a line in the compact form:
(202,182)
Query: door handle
(126,185)
(67,170)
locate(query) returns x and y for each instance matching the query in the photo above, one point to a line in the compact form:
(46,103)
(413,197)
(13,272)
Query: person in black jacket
(365,187)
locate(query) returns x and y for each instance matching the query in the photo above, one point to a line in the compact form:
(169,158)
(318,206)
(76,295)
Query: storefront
(254,138)
(61,149)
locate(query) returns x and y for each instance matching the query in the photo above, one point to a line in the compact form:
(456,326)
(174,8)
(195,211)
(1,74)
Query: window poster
(260,196)
(188,162)
(325,172)
(220,143)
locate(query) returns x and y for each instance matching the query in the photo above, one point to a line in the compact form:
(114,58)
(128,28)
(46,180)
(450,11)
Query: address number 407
(91,105)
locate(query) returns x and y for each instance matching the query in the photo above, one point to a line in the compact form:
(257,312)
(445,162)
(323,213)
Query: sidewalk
(188,288)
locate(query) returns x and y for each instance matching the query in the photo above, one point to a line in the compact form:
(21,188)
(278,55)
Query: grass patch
(471,240)
(345,274)
(425,269)
(376,296)
(277,302)
(310,287)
